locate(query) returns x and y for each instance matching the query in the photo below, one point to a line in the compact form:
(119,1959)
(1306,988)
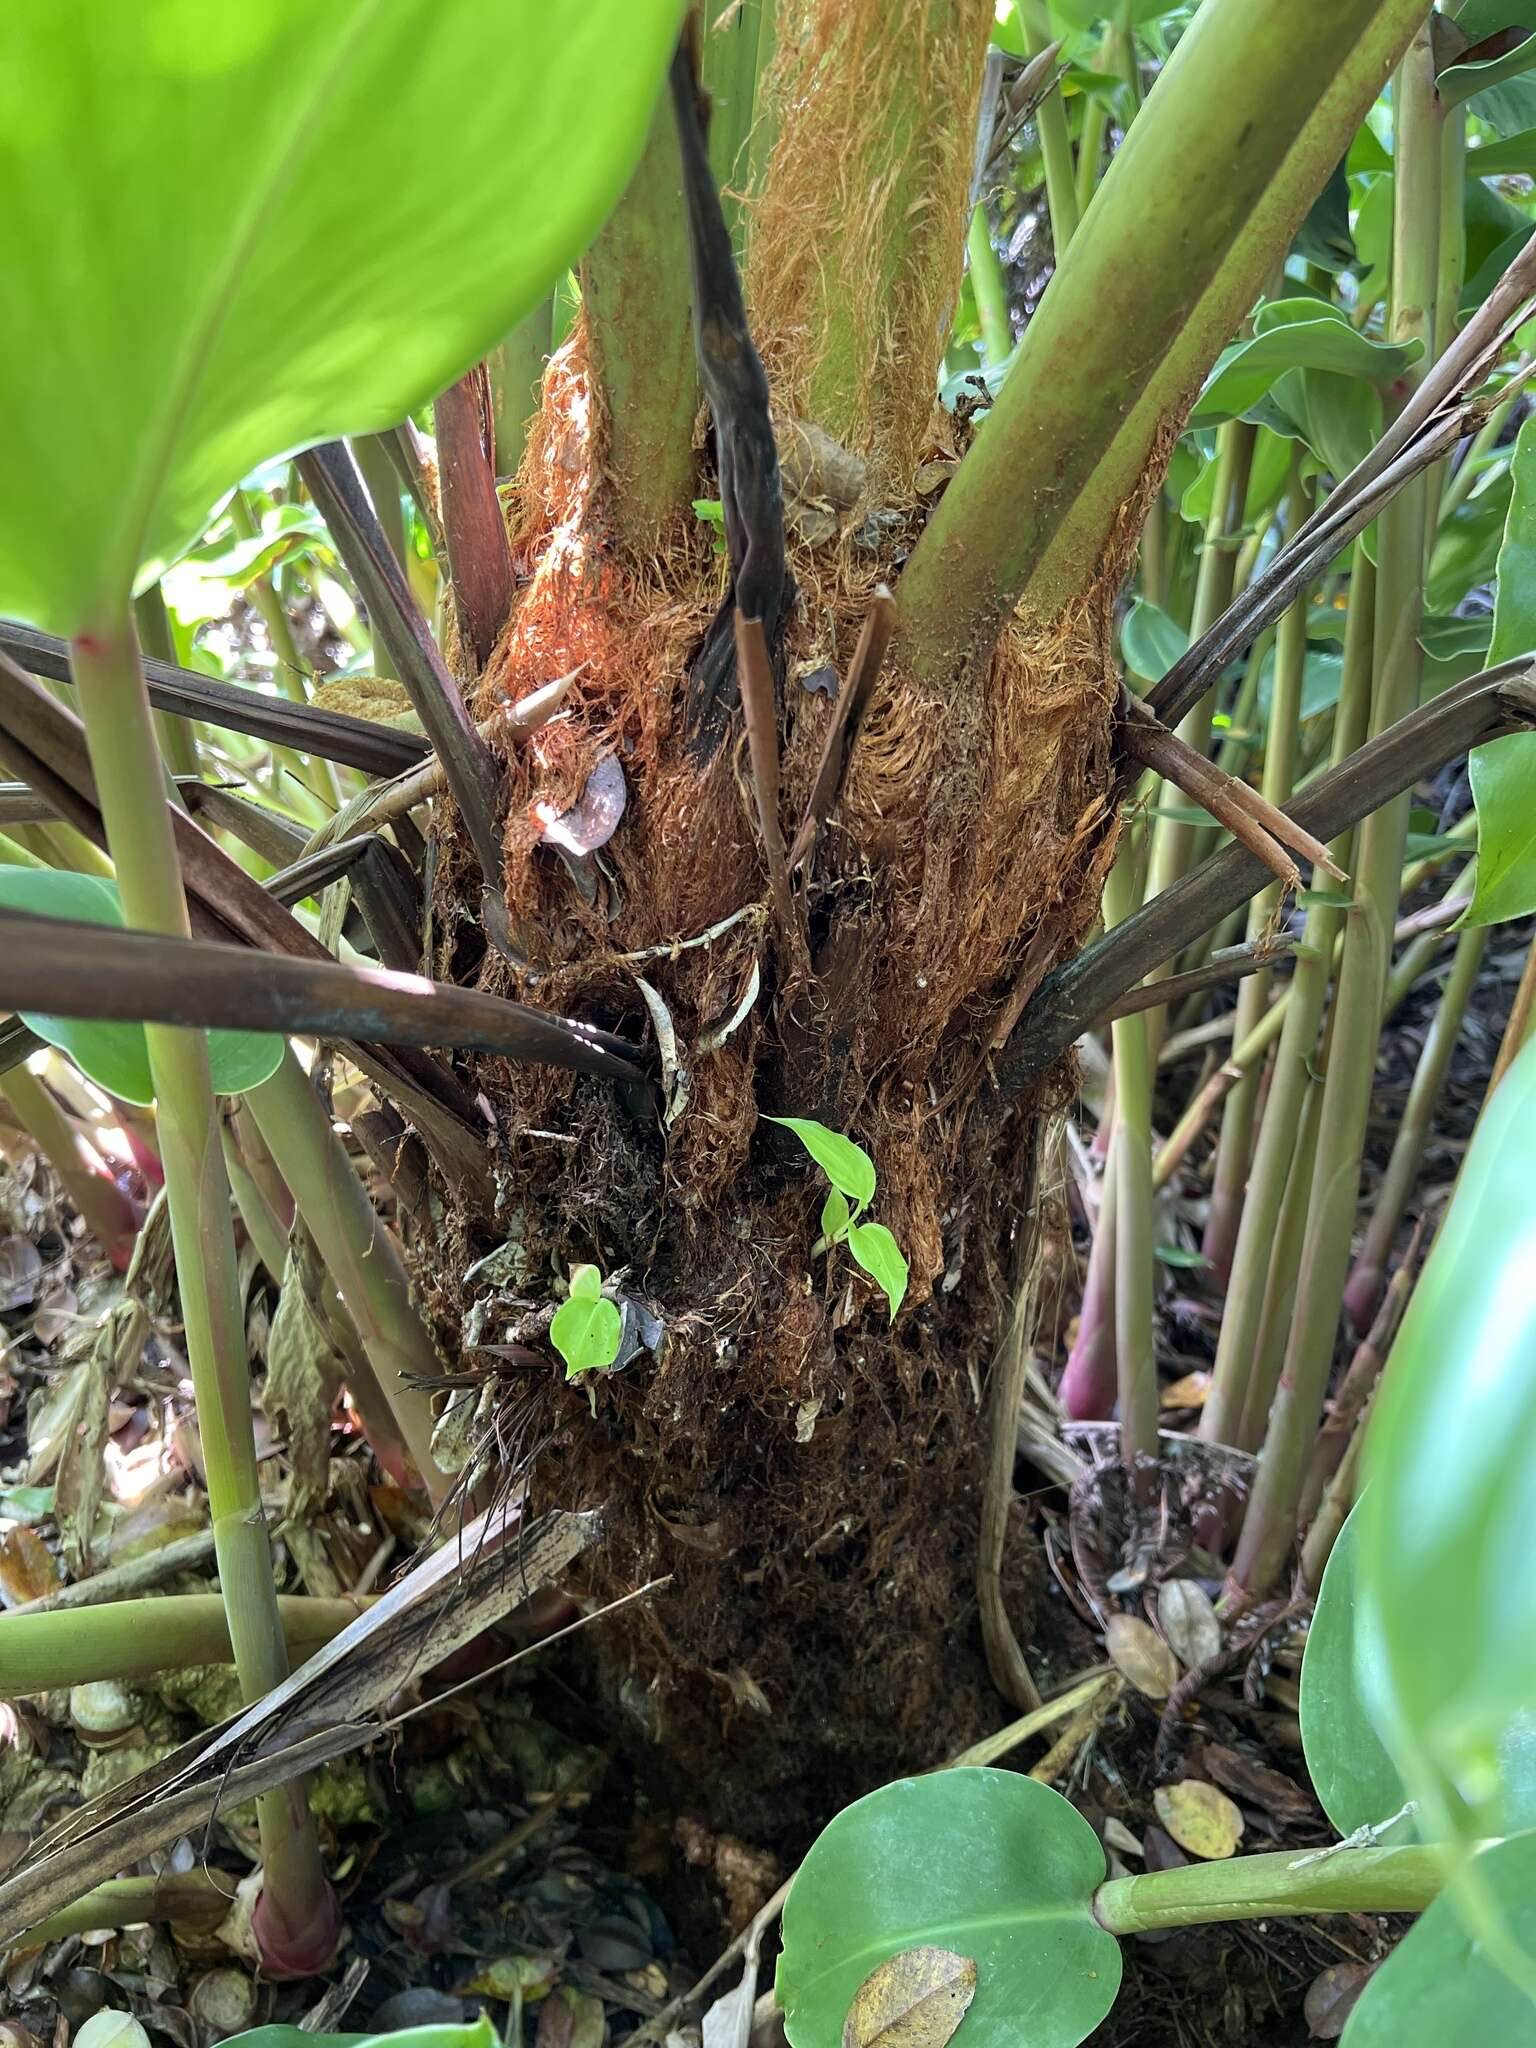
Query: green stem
(1055,143)
(315,775)
(1237,1345)
(130,1639)
(634,287)
(1238,137)
(178,736)
(371,452)
(193,1900)
(1481,446)
(359,1254)
(516,370)
(1269,1528)
(1395,1880)
(126,761)
(737,47)
(1131,1166)
(991,290)
(1397,1183)
(1278,1299)
(1235,1146)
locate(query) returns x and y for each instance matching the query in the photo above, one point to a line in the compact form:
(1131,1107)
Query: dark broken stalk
(1227,797)
(1231,963)
(760,713)
(139,976)
(847,716)
(746,457)
(1486,707)
(353,742)
(479,559)
(333,482)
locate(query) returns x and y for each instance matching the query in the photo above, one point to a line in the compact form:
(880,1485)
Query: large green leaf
(1441,1986)
(475,2034)
(116,1056)
(1339,418)
(1351,1770)
(1151,641)
(1294,334)
(232,230)
(987,1864)
(1504,772)
(1466,550)
(1448,1516)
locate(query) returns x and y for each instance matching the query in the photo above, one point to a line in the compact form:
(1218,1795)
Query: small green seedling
(852,1174)
(587,1327)
(712,512)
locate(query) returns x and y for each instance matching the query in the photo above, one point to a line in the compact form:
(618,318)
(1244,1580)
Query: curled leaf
(594,818)
(1140,1655)
(912,2000)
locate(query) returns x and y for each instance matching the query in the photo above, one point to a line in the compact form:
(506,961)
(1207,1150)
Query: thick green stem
(193,1900)
(1237,1345)
(1396,1880)
(178,736)
(991,290)
(359,1254)
(737,45)
(126,761)
(634,285)
(1239,134)
(1235,1147)
(1279,1293)
(131,1639)
(107,1212)
(1269,1527)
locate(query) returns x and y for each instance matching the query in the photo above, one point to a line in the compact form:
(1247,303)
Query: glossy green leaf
(1460,82)
(1294,334)
(475,2034)
(587,1328)
(1448,1515)
(1466,549)
(116,1056)
(1351,1770)
(881,1257)
(1339,418)
(848,1166)
(835,1215)
(1150,640)
(1481,281)
(1503,773)
(985,1863)
(1508,106)
(1268,475)
(1440,1986)
(1510,154)
(233,230)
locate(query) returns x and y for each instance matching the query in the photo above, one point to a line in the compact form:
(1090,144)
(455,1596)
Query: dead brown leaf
(1257,1783)
(912,2000)
(1199,1818)
(1188,1621)
(1141,1656)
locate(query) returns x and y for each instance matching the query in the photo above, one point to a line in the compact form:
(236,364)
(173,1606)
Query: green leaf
(232,231)
(587,1327)
(848,1166)
(477,2034)
(1503,773)
(1151,641)
(1268,476)
(1339,418)
(1448,1514)
(1511,154)
(1493,266)
(1324,237)
(1294,334)
(1440,1984)
(1322,677)
(1466,549)
(835,1215)
(881,1257)
(1181,1256)
(1351,1770)
(1461,81)
(116,1056)
(986,1863)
